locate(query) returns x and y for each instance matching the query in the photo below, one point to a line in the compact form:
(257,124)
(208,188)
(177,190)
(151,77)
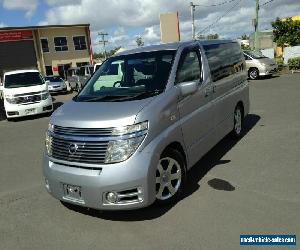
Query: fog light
(112,197)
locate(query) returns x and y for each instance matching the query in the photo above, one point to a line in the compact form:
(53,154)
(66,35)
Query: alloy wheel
(168,178)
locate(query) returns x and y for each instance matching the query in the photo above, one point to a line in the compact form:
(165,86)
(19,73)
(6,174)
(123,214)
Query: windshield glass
(129,77)
(255,54)
(53,78)
(23,80)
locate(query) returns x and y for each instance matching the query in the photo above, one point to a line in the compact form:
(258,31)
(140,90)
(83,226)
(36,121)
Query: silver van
(142,121)
(259,65)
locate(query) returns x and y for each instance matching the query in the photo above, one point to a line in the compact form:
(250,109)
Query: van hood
(267,61)
(98,114)
(25,90)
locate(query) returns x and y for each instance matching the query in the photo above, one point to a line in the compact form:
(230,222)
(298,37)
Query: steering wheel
(120,82)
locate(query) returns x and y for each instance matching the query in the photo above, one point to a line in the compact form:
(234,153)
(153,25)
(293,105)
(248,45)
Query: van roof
(13,72)
(172,46)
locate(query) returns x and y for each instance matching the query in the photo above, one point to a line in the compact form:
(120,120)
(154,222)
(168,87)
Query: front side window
(60,43)
(189,67)
(129,77)
(79,42)
(25,79)
(45,46)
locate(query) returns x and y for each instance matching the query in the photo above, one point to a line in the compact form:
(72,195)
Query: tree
(212,36)
(139,41)
(286,32)
(245,37)
(108,53)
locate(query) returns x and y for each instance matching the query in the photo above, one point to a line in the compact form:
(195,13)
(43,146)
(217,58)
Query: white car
(56,84)
(25,93)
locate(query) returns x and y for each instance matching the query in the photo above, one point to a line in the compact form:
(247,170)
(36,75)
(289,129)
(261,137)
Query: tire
(170,177)
(253,73)
(238,122)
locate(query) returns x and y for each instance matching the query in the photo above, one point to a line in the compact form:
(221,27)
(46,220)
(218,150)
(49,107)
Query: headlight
(45,95)
(118,151)
(48,143)
(143,126)
(11,99)
(121,150)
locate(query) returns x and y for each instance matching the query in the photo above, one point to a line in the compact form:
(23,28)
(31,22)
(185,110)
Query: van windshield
(25,79)
(129,77)
(53,79)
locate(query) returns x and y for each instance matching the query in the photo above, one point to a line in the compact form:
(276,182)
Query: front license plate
(29,111)
(73,192)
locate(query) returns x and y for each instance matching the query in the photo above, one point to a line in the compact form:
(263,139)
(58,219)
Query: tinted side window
(224,59)
(189,67)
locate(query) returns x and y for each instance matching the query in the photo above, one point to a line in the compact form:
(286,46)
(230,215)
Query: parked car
(25,93)
(73,77)
(78,76)
(137,133)
(259,65)
(56,84)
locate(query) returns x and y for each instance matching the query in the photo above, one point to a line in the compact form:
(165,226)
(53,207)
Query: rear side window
(189,67)
(224,59)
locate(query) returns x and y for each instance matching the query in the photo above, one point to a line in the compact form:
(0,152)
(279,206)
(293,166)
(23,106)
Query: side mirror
(188,88)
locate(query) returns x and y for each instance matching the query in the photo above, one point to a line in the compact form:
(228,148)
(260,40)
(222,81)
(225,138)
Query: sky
(124,20)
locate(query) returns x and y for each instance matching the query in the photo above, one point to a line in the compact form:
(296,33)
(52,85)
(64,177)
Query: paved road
(251,186)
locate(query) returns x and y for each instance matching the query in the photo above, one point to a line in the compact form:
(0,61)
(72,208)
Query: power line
(215,5)
(270,1)
(220,17)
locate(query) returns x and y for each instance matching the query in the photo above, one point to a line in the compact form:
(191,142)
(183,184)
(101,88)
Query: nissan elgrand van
(142,121)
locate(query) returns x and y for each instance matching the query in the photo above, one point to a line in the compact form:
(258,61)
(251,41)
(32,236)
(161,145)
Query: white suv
(25,92)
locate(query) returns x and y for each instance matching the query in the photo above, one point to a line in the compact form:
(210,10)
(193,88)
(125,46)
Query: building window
(44,42)
(79,42)
(49,71)
(60,43)
(79,64)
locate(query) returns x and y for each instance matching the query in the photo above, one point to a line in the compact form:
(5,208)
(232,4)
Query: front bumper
(268,70)
(20,110)
(54,89)
(137,174)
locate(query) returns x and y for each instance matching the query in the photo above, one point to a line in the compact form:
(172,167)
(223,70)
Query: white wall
(291,52)
(268,52)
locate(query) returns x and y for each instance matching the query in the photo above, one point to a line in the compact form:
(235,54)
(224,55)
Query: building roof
(170,46)
(45,26)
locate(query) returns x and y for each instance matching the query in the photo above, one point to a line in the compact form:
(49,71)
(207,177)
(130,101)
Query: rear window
(224,59)
(25,79)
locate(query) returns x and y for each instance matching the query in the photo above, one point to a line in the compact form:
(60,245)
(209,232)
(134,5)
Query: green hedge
(294,63)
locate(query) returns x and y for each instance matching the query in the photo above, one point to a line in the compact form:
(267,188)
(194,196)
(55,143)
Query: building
(52,49)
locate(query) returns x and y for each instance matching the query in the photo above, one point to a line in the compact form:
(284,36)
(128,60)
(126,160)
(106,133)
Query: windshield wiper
(102,97)
(141,95)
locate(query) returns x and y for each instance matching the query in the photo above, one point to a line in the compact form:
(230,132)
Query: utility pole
(193,19)
(256,26)
(103,41)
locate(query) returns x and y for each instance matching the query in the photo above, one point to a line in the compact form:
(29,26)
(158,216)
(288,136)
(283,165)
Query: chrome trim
(100,138)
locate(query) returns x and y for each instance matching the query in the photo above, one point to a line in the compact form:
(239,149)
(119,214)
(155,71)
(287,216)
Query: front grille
(28,99)
(99,132)
(92,152)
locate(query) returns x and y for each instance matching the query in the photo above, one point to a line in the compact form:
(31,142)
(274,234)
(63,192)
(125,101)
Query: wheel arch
(177,146)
